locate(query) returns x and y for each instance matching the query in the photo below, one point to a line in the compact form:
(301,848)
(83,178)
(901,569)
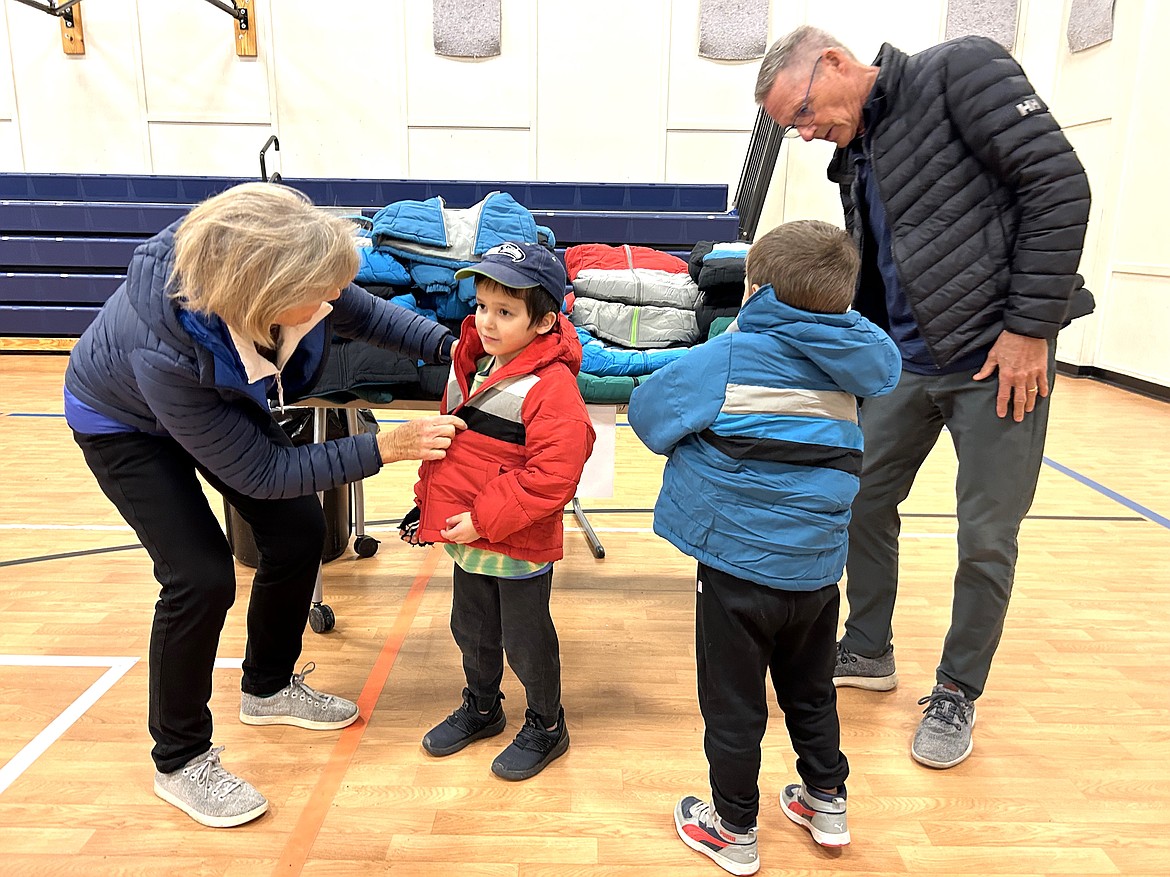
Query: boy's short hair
(257,249)
(811,265)
(526,271)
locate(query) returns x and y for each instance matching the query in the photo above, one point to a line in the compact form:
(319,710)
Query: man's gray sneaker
(298,704)
(825,820)
(944,738)
(856,671)
(209,794)
(701,829)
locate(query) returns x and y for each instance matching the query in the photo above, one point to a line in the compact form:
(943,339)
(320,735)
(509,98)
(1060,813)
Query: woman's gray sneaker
(210,794)
(299,705)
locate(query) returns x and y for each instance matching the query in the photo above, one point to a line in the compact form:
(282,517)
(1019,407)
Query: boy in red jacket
(497,499)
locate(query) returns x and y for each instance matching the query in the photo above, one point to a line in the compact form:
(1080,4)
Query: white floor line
(117,668)
(21,761)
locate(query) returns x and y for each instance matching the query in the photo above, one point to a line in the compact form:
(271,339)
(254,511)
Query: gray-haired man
(969,206)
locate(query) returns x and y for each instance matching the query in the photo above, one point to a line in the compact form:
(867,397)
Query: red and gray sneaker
(825,820)
(703,831)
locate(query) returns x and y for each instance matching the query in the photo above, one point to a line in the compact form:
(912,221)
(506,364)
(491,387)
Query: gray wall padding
(467,28)
(733,30)
(986,18)
(1090,23)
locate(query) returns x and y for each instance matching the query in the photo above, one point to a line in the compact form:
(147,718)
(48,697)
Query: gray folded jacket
(644,327)
(638,286)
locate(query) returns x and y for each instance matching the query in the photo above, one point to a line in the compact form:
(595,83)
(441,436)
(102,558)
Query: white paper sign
(597,479)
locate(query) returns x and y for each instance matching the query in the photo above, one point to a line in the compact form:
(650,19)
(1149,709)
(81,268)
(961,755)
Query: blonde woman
(222,314)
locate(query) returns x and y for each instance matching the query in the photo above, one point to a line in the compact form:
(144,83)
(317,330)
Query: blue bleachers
(665,197)
(65,241)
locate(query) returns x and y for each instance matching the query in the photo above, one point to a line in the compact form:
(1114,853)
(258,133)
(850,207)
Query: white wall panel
(1037,48)
(1087,85)
(10,154)
(206,149)
(1144,188)
(463,92)
(601,90)
(340,90)
(470,154)
(1093,143)
(706,157)
(706,94)
(78,113)
(7,88)
(800,188)
(189,64)
(1133,331)
(862,25)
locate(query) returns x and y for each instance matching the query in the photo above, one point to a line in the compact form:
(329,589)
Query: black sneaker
(466,725)
(533,748)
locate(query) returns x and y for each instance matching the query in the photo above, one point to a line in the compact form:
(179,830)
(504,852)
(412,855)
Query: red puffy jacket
(518,462)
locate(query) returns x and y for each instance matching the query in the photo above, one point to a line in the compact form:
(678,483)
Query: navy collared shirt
(903,327)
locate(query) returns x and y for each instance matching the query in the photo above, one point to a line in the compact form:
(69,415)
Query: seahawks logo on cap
(509,249)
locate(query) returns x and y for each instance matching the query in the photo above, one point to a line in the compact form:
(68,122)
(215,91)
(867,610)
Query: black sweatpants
(742,630)
(152,482)
(491,616)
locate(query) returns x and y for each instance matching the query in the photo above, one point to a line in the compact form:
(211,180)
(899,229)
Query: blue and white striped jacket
(761,430)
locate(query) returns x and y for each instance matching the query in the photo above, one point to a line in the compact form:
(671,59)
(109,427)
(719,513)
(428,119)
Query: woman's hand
(460,530)
(424,439)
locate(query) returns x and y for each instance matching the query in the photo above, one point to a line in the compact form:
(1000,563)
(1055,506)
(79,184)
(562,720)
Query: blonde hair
(256,250)
(811,265)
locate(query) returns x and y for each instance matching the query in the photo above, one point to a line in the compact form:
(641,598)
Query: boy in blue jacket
(760,426)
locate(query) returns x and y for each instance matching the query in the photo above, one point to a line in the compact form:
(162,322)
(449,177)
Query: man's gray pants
(999,464)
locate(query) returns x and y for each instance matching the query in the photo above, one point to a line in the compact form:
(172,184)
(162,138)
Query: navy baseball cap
(522,266)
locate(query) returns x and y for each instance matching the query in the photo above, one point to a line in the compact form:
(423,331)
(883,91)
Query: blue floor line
(1112,494)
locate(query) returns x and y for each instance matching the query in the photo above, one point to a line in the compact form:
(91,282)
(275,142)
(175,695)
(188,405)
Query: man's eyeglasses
(804,115)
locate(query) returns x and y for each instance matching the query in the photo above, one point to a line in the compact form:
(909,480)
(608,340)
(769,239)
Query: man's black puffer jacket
(985,199)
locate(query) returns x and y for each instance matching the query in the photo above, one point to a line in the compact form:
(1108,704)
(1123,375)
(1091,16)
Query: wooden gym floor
(1070,774)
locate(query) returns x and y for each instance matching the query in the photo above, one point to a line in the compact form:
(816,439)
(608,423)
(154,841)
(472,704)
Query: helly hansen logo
(509,249)
(1030,105)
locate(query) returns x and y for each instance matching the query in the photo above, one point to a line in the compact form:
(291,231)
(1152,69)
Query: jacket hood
(559,344)
(849,365)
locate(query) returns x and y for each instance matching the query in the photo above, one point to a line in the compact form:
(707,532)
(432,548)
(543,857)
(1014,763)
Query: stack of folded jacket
(718,270)
(634,297)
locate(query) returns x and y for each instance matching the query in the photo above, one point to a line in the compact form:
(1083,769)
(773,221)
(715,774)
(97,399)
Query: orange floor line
(304,834)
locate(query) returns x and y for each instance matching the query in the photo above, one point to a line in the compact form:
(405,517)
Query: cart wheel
(366,546)
(321,618)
